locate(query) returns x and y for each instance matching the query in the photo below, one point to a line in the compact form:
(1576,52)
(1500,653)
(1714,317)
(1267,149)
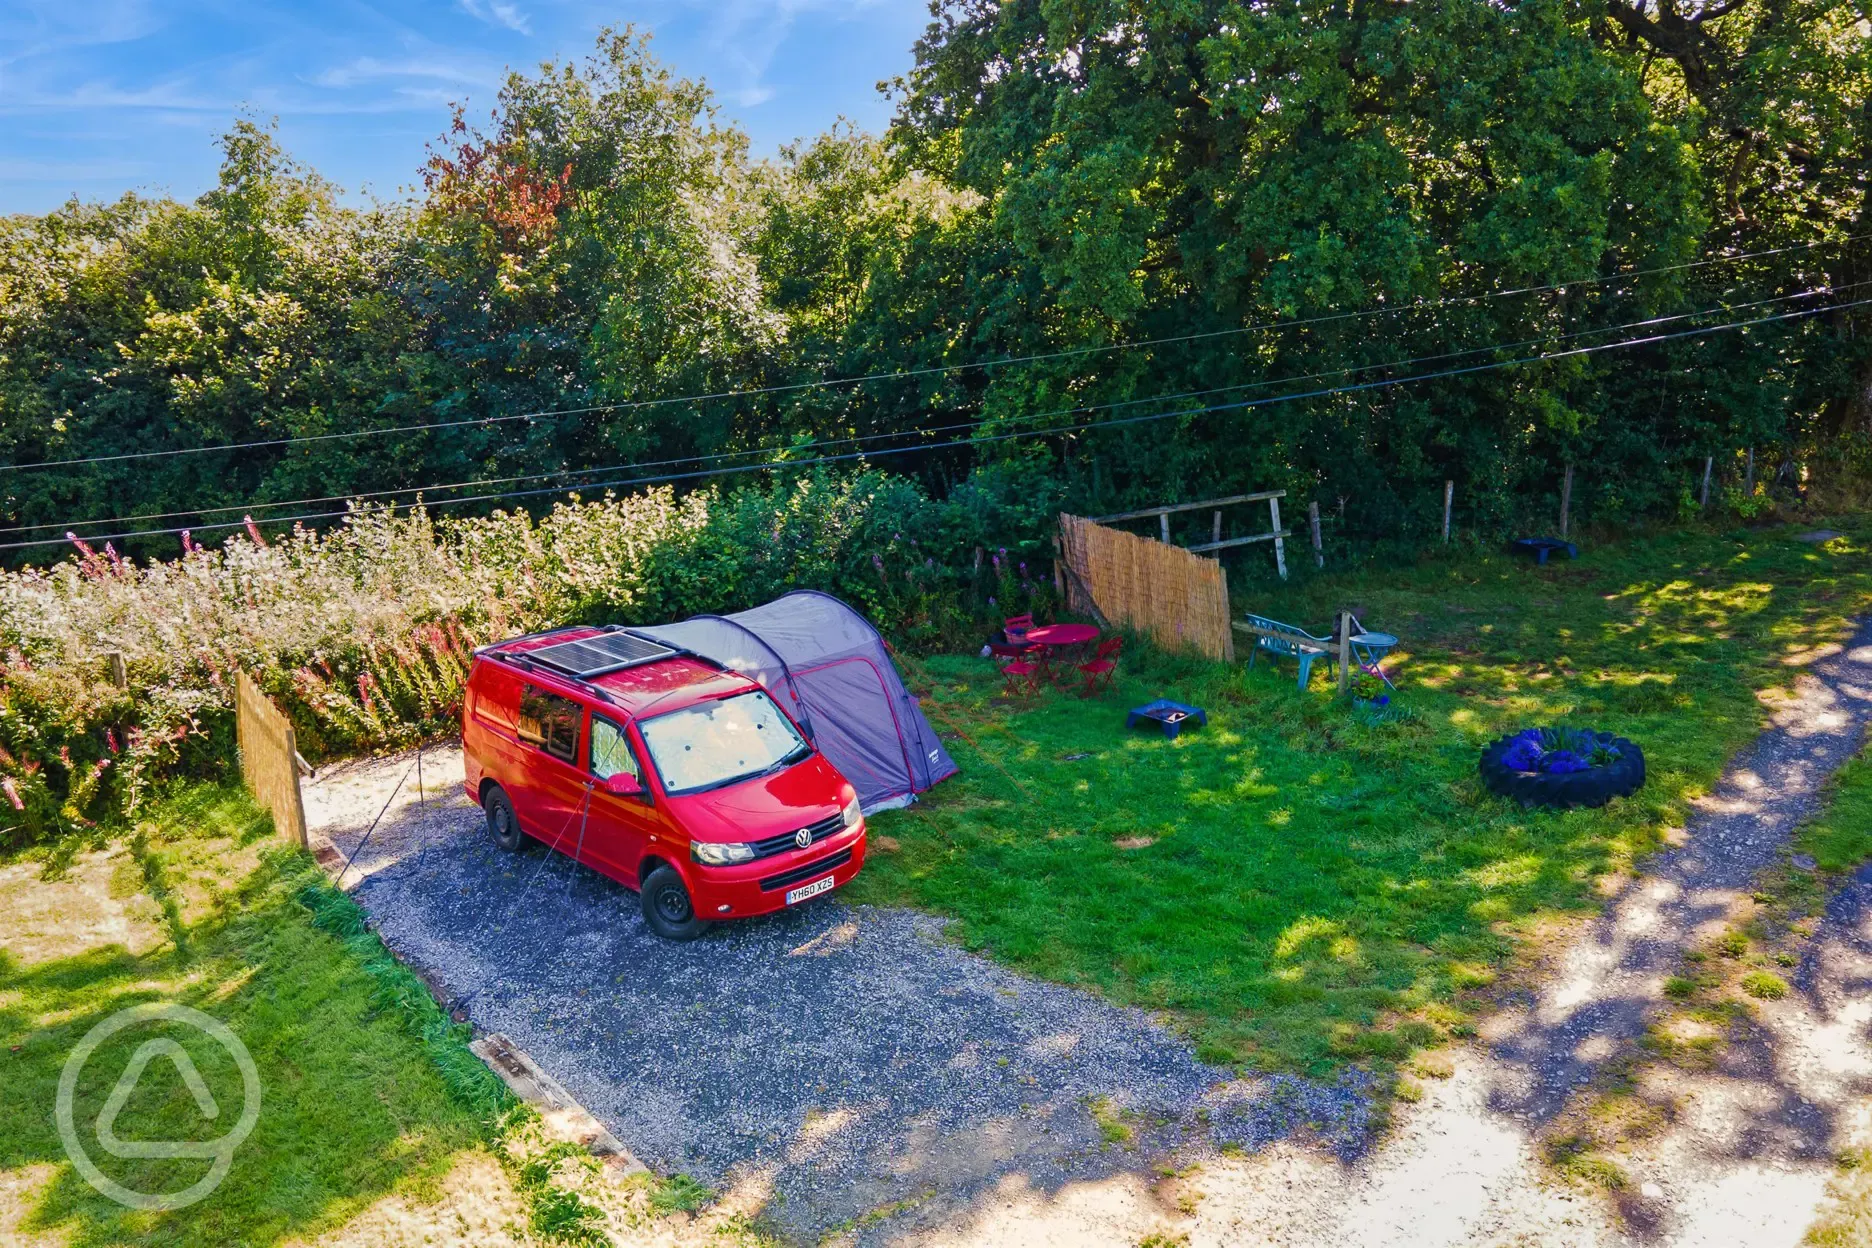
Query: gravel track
(824,1064)
(1610,984)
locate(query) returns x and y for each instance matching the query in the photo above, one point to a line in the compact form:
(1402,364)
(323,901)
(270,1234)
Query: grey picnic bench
(1286,640)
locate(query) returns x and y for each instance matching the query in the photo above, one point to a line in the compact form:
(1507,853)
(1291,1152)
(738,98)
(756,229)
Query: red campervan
(664,771)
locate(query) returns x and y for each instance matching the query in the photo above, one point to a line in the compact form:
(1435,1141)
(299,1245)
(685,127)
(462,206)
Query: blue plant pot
(1593,787)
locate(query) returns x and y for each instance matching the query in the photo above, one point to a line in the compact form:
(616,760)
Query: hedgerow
(363,632)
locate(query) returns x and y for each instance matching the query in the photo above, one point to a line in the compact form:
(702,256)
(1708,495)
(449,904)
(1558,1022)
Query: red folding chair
(1022,676)
(1015,627)
(1100,669)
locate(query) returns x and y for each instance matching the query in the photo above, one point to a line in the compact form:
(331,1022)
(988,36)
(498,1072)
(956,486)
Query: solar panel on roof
(607,652)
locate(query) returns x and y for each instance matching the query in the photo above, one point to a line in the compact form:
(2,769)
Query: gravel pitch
(831,1062)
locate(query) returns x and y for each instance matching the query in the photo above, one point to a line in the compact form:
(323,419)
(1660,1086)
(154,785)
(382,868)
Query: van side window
(611,752)
(498,696)
(550,722)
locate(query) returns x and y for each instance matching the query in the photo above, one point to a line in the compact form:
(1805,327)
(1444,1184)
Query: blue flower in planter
(1561,762)
(1523,755)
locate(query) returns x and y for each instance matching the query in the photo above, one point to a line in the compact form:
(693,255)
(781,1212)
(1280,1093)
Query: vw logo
(803,838)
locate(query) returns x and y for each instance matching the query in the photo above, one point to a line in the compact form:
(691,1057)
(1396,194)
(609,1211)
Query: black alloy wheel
(502,824)
(667,910)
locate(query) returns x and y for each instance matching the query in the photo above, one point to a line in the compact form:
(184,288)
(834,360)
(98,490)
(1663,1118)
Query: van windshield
(718,743)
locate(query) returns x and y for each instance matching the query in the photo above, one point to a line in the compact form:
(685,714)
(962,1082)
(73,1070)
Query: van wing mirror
(623,784)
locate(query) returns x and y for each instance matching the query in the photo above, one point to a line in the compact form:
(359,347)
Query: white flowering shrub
(363,632)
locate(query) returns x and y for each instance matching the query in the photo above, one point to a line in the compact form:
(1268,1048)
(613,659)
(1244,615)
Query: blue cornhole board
(1168,715)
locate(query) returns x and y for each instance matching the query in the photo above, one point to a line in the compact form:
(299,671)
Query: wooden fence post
(1345,650)
(1319,554)
(1566,500)
(119,674)
(1163,527)
(1709,462)
(269,758)
(1215,529)
(1280,547)
(1449,496)
(1228,634)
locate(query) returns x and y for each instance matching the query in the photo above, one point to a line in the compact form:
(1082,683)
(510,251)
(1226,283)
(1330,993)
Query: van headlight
(852,814)
(720,854)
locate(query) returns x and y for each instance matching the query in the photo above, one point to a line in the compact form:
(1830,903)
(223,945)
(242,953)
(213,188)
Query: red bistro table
(1057,638)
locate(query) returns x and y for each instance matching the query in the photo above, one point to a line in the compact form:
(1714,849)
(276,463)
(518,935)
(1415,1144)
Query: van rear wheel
(667,909)
(502,824)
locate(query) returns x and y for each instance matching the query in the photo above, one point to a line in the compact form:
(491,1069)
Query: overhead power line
(934,370)
(562,473)
(984,439)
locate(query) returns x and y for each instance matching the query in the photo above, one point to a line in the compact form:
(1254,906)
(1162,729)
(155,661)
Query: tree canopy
(1297,206)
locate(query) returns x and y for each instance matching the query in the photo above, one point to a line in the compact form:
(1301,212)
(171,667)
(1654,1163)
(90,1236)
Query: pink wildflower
(12,792)
(188,546)
(110,739)
(253,530)
(91,565)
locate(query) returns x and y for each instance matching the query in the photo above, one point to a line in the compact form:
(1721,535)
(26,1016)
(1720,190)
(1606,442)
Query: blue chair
(1288,641)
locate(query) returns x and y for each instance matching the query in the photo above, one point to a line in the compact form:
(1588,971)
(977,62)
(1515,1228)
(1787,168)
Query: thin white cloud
(498,13)
(369,69)
(71,170)
(174,94)
(429,95)
(38,28)
(749,34)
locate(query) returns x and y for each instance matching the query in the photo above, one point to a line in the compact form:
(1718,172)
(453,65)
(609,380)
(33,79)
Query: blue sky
(102,96)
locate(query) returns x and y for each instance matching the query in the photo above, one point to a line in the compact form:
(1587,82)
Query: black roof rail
(524,659)
(494,647)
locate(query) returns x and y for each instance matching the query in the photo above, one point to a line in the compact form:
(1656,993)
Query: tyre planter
(1595,786)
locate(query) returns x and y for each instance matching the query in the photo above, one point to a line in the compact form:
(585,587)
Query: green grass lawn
(1303,885)
(1841,837)
(366,1088)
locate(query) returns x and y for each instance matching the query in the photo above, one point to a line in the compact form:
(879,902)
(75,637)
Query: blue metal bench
(1288,641)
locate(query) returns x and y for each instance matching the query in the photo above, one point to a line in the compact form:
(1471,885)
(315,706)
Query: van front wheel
(667,910)
(502,824)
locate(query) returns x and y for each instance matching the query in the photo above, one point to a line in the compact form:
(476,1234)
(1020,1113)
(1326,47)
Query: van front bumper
(761,887)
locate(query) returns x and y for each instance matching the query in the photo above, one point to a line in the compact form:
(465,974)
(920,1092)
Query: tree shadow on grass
(350,1107)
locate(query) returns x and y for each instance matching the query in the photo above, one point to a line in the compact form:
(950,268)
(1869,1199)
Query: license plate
(809,890)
